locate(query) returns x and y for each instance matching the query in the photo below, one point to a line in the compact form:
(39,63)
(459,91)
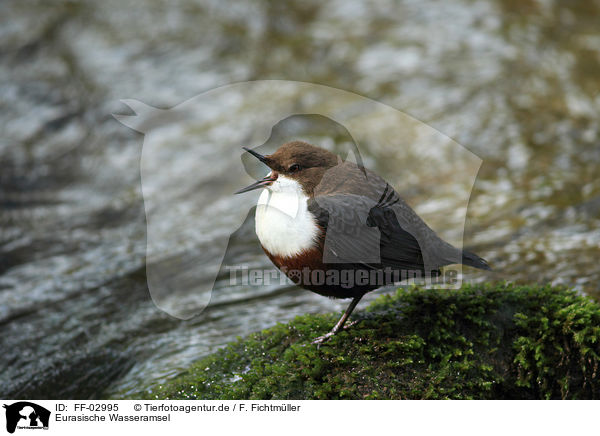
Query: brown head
(295,160)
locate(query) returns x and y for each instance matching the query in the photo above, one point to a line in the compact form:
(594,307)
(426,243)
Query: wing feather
(362,231)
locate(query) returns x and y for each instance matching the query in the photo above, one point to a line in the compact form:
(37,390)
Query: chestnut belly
(329,279)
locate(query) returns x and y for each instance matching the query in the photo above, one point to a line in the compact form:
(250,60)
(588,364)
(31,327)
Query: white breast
(284,225)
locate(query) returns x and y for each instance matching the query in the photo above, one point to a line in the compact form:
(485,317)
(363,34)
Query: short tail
(471,259)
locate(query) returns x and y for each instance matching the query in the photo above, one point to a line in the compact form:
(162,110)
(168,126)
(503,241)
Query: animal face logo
(26,415)
(192,162)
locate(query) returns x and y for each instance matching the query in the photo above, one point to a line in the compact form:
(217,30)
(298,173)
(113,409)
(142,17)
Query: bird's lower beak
(266,181)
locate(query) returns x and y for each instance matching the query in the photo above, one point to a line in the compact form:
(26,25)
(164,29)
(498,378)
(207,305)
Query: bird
(340,230)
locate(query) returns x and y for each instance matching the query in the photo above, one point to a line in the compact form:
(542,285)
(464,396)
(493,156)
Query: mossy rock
(482,341)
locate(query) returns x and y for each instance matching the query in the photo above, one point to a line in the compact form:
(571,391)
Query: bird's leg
(340,323)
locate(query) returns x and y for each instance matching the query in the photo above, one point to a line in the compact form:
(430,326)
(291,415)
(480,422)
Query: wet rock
(486,342)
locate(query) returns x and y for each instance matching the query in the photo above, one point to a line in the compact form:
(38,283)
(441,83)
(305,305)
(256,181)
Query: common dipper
(340,230)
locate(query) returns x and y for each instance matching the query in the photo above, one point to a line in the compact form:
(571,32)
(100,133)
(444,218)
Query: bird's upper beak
(260,157)
(266,181)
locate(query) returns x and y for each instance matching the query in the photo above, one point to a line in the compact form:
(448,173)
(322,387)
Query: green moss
(481,341)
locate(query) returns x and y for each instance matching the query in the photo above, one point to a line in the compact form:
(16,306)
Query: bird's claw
(321,339)
(350,324)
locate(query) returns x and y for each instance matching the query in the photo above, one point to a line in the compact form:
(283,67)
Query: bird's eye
(293,168)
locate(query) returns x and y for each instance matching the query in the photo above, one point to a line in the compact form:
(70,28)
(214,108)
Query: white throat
(284,225)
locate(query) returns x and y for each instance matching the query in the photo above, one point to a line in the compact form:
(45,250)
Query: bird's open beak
(266,181)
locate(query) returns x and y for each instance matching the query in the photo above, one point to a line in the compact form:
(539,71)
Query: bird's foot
(321,339)
(350,324)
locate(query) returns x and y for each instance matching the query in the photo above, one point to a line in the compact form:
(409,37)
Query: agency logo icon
(192,162)
(26,415)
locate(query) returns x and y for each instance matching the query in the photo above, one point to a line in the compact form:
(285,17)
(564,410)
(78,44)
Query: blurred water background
(516,82)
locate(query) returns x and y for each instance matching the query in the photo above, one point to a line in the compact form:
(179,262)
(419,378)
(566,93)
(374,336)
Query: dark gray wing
(367,216)
(365,231)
